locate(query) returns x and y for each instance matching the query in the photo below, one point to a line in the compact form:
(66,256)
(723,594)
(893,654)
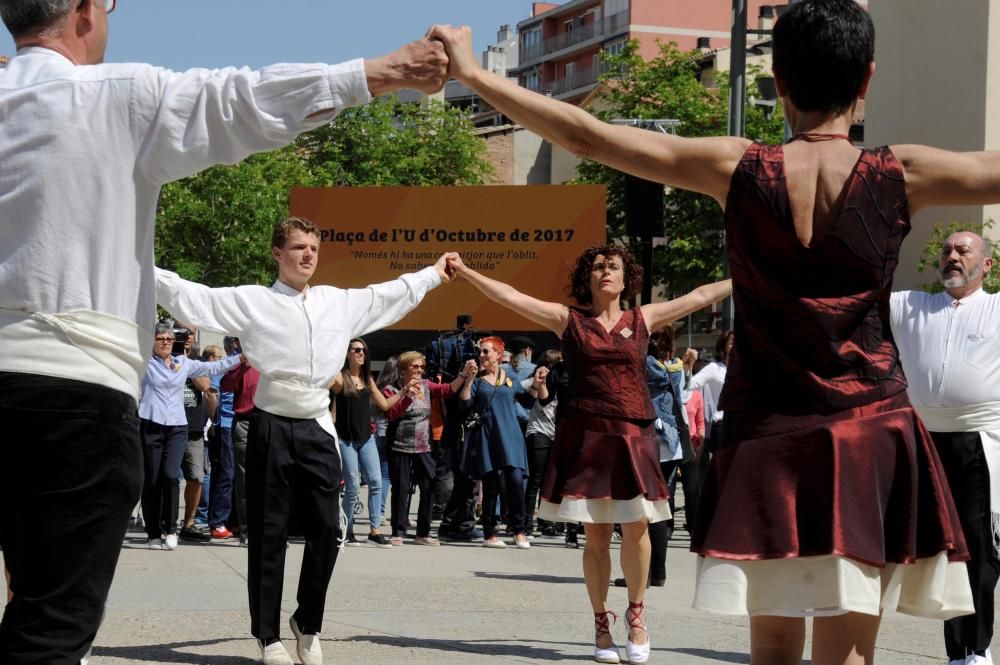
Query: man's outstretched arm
(381,305)
(218,310)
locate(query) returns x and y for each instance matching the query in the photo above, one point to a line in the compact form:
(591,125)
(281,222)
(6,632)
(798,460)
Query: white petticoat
(604,511)
(933,588)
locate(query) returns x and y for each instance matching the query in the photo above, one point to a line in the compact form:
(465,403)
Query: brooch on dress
(626,333)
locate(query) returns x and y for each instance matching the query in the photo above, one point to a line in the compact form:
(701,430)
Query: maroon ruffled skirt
(864,483)
(599,457)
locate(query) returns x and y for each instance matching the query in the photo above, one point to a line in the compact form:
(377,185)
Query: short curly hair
(579,281)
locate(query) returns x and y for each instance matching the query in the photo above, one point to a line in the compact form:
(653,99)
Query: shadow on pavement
(480,647)
(708,654)
(522,577)
(172,653)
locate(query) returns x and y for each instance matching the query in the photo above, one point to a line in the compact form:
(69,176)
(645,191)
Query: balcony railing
(577,79)
(582,33)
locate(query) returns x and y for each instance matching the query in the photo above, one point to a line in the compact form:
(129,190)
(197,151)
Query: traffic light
(643,207)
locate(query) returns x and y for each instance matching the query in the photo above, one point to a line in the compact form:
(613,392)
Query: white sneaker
(307,646)
(522,543)
(973,659)
(171,542)
(154,543)
(274,654)
(495,543)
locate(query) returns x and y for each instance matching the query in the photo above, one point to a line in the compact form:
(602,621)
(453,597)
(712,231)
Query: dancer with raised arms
(604,468)
(827,497)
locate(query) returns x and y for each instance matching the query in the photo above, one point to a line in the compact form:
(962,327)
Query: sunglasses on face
(357,350)
(420,367)
(165,340)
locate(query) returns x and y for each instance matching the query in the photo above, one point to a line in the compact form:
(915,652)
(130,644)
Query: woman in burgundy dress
(604,467)
(827,498)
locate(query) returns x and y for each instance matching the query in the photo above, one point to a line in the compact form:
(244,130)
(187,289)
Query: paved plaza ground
(413,605)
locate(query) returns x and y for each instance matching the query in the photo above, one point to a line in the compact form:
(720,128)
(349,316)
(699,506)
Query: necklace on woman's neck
(815,137)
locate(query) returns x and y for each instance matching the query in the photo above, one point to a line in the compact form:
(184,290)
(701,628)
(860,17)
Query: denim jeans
(383,460)
(362,457)
(201,515)
(221,486)
(72,463)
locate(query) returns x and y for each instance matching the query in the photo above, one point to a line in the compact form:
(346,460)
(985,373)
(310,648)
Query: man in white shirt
(949,344)
(85,148)
(297,336)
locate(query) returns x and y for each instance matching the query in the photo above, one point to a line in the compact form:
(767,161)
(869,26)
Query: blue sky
(215,33)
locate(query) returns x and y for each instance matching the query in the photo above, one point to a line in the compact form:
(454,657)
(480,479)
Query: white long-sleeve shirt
(293,338)
(710,380)
(84,151)
(950,349)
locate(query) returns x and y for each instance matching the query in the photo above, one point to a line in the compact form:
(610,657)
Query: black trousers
(964,462)
(689,475)
(163,449)
(660,533)
(460,511)
(539,447)
(292,464)
(72,472)
(513,482)
(408,470)
(444,479)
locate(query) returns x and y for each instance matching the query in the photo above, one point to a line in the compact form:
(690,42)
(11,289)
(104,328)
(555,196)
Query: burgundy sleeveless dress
(605,463)
(823,457)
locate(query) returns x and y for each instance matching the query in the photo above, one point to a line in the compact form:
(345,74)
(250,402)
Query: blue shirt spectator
(162,396)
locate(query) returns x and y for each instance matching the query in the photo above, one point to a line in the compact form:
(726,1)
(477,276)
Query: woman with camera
(409,442)
(494,444)
(164,431)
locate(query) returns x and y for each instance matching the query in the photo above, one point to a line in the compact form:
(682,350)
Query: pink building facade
(561,47)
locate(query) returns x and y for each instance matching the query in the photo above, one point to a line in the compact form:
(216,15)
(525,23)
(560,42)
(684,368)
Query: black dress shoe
(461,536)
(195,534)
(620,582)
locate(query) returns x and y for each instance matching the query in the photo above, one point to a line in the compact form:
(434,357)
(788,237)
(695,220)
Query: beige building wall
(937,81)
(532,158)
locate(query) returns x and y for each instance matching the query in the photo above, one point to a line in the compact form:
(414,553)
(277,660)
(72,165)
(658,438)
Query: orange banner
(526,236)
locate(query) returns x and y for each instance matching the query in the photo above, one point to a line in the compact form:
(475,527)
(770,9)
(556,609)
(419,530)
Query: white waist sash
(982,418)
(84,345)
(295,400)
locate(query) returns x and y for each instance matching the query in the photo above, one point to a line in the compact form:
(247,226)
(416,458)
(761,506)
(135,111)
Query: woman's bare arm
(936,177)
(702,165)
(549,314)
(661,314)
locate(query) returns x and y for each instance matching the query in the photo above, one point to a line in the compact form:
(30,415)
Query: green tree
(931,257)
(670,86)
(215,227)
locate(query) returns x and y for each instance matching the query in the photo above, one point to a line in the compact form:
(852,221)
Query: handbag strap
(496,387)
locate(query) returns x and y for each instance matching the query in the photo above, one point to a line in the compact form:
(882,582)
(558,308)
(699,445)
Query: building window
(532,81)
(531,38)
(609,50)
(612,7)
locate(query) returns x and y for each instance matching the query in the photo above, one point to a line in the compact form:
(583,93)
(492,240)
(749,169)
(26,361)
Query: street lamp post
(644,204)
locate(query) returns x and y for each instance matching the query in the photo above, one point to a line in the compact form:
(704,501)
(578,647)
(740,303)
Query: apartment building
(562,46)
